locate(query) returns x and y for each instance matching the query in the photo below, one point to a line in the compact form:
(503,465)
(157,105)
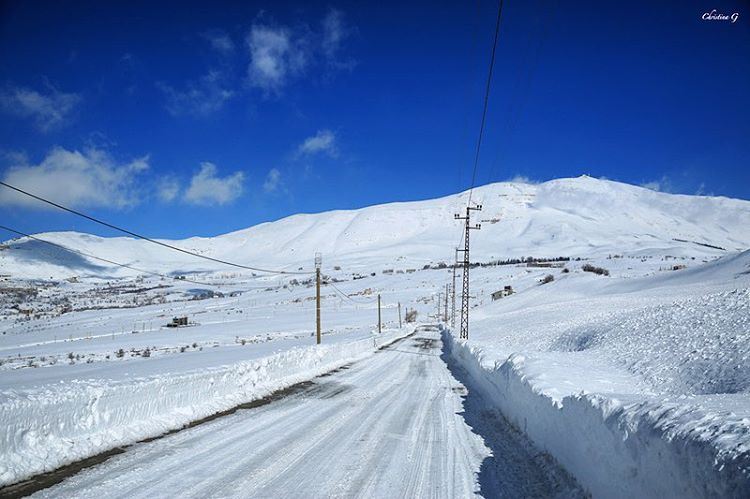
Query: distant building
(506,291)
(178,321)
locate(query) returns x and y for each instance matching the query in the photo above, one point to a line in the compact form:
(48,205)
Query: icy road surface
(394,425)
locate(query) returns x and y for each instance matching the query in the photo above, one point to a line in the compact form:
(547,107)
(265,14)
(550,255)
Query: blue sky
(200,118)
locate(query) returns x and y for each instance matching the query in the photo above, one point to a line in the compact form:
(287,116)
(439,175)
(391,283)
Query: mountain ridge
(572,217)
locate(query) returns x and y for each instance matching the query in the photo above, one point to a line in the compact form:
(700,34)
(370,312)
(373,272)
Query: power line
(461,242)
(514,115)
(145,238)
(341,293)
(486,99)
(464,334)
(474,68)
(18,232)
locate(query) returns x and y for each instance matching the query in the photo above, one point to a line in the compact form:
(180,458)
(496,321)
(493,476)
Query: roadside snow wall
(615,447)
(59,424)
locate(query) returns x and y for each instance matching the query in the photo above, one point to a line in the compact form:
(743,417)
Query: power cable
(344,295)
(145,238)
(151,272)
(525,81)
(486,99)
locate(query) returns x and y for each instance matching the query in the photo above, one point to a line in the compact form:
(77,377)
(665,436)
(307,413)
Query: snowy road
(393,425)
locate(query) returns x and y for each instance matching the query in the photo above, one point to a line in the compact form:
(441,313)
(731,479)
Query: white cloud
(206,188)
(273,180)
(279,54)
(664,184)
(199,98)
(322,142)
(276,54)
(48,111)
(701,190)
(335,31)
(220,41)
(521,179)
(168,188)
(90,178)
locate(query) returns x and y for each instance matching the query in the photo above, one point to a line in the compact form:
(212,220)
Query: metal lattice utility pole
(465,291)
(318,262)
(453,294)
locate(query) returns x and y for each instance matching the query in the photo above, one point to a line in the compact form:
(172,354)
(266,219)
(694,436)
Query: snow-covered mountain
(566,217)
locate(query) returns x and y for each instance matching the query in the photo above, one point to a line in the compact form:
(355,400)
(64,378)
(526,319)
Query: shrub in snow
(547,279)
(411,316)
(596,270)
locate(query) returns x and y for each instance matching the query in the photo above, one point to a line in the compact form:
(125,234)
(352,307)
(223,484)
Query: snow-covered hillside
(635,377)
(566,217)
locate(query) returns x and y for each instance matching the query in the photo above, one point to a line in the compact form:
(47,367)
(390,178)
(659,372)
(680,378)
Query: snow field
(56,424)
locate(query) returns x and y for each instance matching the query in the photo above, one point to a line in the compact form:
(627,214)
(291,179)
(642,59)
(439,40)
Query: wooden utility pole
(399,315)
(379,324)
(318,262)
(445,316)
(465,292)
(439,299)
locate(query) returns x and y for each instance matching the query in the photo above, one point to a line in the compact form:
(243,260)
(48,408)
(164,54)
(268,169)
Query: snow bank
(696,346)
(45,428)
(625,446)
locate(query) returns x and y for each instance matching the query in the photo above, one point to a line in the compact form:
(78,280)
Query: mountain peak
(573,217)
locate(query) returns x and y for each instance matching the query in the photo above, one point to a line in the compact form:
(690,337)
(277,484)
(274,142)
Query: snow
(55,424)
(638,382)
(565,217)
(617,445)
(640,387)
(391,425)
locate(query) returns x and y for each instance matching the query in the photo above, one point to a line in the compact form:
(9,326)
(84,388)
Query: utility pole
(453,293)
(465,292)
(318,262)
(439,299)
(445,316)
(399,315)
(380,330)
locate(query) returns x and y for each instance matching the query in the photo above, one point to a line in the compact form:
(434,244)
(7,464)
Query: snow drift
(619,446)
(46,428)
